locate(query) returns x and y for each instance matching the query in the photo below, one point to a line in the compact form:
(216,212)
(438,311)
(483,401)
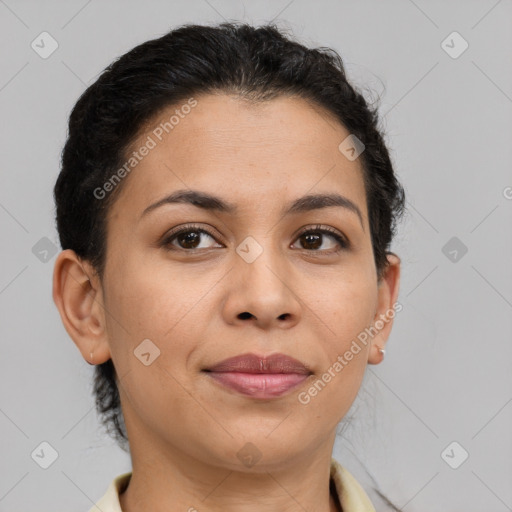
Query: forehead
(256,154)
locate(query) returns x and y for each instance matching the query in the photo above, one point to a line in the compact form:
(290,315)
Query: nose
(262,293)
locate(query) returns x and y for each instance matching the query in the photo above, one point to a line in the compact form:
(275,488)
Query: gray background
(447,375)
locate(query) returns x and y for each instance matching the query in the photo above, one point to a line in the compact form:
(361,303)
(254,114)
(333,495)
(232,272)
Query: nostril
(245,315)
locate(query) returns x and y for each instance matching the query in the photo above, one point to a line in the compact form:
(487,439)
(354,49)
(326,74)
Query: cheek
(150,333)
(341,310)
(334,389)
(151,300)
(150,297)
(347,308)
(347,314)
(144,304)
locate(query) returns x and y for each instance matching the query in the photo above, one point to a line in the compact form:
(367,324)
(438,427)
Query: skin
(189,304)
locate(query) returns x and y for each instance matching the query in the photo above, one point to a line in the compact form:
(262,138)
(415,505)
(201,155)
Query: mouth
(260,376)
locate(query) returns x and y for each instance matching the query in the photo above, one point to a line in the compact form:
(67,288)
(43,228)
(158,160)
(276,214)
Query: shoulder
(109,502)
(351,495)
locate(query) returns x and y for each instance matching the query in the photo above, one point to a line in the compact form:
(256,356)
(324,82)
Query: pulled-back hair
(254,63)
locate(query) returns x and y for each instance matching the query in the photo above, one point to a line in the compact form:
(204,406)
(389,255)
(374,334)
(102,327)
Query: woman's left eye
(314,239)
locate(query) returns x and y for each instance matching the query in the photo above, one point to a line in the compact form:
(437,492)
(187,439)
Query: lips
(251,363)
(260,376)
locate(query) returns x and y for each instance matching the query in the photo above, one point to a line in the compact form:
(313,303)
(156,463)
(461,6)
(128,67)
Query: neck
(184,483)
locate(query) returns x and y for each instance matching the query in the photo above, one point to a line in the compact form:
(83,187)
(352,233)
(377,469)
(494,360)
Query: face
(254,279)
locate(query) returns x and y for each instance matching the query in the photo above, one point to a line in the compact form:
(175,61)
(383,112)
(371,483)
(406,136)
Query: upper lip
(252,363)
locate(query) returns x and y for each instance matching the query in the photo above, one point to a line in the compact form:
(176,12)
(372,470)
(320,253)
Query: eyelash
(343,243)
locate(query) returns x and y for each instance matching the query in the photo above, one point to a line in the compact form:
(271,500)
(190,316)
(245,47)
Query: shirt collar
(350,494)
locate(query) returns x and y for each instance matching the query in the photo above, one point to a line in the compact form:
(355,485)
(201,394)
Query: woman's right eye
(187,239)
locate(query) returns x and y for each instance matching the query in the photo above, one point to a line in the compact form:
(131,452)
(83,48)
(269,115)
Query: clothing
(350,494)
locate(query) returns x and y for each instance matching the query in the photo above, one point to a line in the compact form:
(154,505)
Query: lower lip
(259,385)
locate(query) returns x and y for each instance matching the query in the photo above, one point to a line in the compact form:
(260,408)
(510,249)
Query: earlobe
(78,296)
(388,288)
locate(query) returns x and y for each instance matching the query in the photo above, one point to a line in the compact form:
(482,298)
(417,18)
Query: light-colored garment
(350,494)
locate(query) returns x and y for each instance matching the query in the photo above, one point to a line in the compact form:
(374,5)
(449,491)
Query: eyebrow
(210,202)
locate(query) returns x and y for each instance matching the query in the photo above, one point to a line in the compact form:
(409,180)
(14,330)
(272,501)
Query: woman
(225,208)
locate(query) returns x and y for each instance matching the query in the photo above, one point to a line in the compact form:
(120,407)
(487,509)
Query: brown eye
(189,238)
(313,239)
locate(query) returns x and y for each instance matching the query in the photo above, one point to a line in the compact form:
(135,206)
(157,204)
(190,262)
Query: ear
(78,295)
(386,308)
